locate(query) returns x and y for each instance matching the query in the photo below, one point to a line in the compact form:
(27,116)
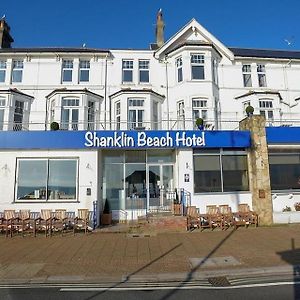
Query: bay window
(197,66)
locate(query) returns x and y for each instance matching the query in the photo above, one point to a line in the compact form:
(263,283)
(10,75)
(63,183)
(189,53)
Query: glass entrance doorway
(160,186)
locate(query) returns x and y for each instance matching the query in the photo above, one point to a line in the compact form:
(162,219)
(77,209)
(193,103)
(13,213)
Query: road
(275,290)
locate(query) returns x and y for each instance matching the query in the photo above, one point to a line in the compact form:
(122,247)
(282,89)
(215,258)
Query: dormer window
(197,66)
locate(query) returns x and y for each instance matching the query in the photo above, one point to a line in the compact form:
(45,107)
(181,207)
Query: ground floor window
(46,179)
(219,170)
(284,168)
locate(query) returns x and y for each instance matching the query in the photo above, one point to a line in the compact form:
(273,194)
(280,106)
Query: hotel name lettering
(143,139)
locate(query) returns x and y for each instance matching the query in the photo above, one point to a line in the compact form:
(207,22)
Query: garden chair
(6,222)
(227,216)
(245,217)
(192,217)
(59,221)
(44,222)
(212,218)
(81,222)
(23,222)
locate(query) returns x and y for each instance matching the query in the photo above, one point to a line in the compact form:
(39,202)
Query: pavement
(117,257)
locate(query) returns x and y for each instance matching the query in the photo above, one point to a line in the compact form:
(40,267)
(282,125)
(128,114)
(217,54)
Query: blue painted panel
(123,139)
(283,135)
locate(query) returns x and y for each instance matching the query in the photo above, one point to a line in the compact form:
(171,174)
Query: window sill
(45,201)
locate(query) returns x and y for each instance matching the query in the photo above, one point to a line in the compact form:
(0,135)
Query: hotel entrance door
(160,187)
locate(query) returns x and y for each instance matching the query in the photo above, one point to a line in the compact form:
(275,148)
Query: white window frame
(84,67)
(199,107)
(137,110)
(118,114)
(91,115)
(181,114)
(127,68)
(72,105)
(17,68)
(144,68)
(261,75)
(266,109)
(2,111)
(67,66)
(246,69)
(3,66)
(19,109)
(197,60)
(215,71)
(179,69)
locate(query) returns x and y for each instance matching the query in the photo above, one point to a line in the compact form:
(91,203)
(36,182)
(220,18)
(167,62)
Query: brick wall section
(258,166)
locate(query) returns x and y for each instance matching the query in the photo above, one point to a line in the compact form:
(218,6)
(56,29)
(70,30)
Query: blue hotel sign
(130,139)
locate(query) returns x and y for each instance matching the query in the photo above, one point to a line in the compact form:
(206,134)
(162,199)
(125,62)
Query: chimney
(159,32)
(5,37)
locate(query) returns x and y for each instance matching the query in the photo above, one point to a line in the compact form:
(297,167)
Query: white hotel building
(156,93)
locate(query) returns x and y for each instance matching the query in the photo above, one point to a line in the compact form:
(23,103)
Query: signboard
(123,139)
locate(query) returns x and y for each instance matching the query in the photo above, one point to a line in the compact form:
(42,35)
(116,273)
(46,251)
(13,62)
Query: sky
(130,24)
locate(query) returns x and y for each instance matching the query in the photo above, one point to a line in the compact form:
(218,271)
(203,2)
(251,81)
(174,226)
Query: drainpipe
(105,96)
(167,92)
(46,115)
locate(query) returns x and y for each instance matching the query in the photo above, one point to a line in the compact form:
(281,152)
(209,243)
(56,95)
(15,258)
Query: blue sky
(130,23)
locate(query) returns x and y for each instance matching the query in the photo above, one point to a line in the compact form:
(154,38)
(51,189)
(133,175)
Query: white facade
(191,75)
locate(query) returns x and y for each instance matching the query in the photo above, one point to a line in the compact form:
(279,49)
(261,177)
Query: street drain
(219,281)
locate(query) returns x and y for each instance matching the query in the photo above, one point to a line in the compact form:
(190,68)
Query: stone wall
(258,166)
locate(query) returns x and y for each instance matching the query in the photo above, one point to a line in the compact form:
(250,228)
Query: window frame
(261,75)
(47,198)
(67,66)
(127,68)
(179,69)
(247,72)
(70,125)
(84,66)
(3,67)
(144,69)
(17,68)
(138,106)
(197,61)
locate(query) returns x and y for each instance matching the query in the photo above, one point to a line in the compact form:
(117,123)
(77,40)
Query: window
(284,170)
(266,109)
(144,70)
(179,69)
(261,73)
(181,114)
(199,109)
(67,70)
(91,115)
(127,69)
(197,65)
(84,71)
(69,114)
(155,115)
(118,115)
(135,113)
(17,71)
(2,70)
(220,171)
(18,115)
(215,71)
(2,110)
(46,179)
(247,76)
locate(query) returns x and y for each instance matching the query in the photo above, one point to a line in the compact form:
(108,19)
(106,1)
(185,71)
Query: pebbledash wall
(107,101)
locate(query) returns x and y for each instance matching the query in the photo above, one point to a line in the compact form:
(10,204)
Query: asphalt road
(274,291)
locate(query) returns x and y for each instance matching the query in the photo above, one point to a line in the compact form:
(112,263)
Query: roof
(265,53)
(53,49)
(260,93)
(16,91)
(136,91)
(64,90)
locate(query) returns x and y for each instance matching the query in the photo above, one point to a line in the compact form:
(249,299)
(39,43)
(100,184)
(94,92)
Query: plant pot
(106,219)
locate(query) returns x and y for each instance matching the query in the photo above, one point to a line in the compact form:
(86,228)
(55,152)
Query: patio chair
(81,222)
(6,222)
(59,221)
(44,222)
(192,217)
(227,216)
(212,218)
(245,217)
(23,222)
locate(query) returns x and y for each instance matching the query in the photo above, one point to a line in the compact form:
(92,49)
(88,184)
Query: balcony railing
(172,124)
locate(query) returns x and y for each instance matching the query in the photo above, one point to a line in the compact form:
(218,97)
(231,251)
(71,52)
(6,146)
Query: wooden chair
(59,221)
(212,218)
(44,222)
(7,221)
(81,222)
(23,222)
(245,217)
(227,216)
(192,217)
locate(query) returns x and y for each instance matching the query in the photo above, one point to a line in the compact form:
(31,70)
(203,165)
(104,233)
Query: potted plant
(297,206)
(249,110)
(200,123)
(287,208)
(106,217)
(54,126)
